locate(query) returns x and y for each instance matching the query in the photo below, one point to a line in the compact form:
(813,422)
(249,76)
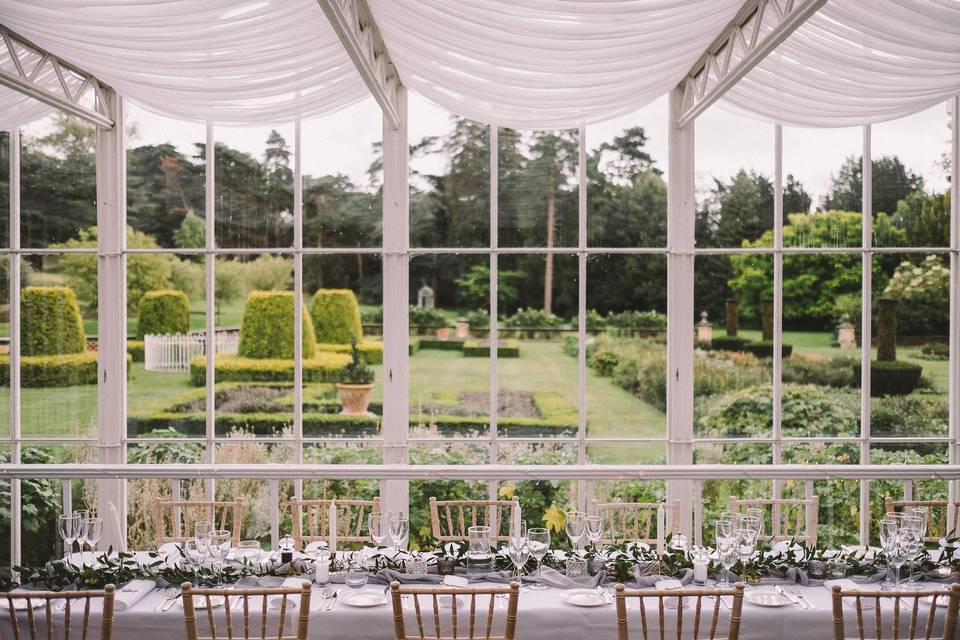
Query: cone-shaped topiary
(267,327)
(51,322)
(163,311)
(336,316)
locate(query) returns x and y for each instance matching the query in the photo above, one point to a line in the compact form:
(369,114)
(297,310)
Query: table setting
(787,582)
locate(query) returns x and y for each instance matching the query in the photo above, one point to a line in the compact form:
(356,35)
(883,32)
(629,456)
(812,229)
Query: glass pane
(141,533)
(449,346)
(735,164)
(166,300)
(626,352)
(627,193)
(538,380)
(538,188)
(5,261)
(254,187)
(342,178)
(165,180)
(911,178)
(58,367)
(732,374)
(907,453)
(449,178)
(4,189)
(338,290)
(543,501)
(5,511)
(839,514)
(58,182)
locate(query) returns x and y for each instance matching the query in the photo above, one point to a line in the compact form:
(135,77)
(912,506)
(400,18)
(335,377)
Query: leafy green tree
(164,187)
(795,198)
(474,287)
(191,233)
(892,182)
(925,218)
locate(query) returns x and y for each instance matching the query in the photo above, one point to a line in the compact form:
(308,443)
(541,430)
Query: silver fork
(167,594)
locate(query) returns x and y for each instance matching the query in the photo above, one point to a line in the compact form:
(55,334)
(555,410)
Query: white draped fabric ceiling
(523,64)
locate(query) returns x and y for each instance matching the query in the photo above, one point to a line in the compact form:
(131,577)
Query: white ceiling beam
(758,28)
(354,25)
(35,72)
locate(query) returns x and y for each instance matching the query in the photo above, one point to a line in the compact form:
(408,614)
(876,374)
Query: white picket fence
(172,353)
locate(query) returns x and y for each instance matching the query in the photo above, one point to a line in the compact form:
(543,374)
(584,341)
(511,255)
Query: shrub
(912,415)
(163,312)
(832,372)
(50,321)
(935,351)
(356,371)
(481,349)
(269,273)
(891,378)
(65,370)
(637,320)
(324,367)
(440,345)
(531,319)
(478,319)
(372,315)
(595,321)
(729,343)
(267,327)
(336,316)
(428,318)
(765,349)
(372,351)
(135,349)
(603,361)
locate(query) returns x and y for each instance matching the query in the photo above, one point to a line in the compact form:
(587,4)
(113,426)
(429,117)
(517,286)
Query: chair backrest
(706,611)
(450,519)
(892,623)
(311,520)
(790,519)
(636,520)
(943,517)
(173,520)
(240,600)
(40,623)
(443,618)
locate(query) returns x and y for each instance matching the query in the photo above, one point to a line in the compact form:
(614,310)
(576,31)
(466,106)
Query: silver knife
(333,600)
(804,598)
(169,603)
(789,596)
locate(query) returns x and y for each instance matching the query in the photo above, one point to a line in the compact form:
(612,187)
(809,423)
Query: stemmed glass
(399,530)
(379,527)
(518,548)
(892,543)
(758,514)
(84,516)
(726,550)
(538,541)
(594,529)
(94,532)
(912,533)
(747,541)
(220,541)
(68,526)
(575,525)
(919,520)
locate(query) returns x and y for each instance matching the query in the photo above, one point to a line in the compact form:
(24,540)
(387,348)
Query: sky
(725,142)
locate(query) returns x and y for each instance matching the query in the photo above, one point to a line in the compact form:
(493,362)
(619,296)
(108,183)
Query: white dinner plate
(361,598)
(200,602)
(584,598)
(764,598)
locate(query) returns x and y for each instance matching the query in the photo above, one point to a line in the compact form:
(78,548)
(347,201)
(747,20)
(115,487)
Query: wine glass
(575,525)
(67,527)
(94,532)
(723,529)
(594,529)
(920,515)
(518,547)
(379,526)
(746,541)
(892,545)
(399,530)
(202,530)
(84,516)
(727,554)
(538,541)
(912,534)
(220,541)
(757,513)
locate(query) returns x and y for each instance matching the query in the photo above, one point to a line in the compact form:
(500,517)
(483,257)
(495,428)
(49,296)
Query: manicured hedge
(896,378)
(726,343)
(161,312)
(324,367)
(477,349)
(51,322)
(441,345)
(315,425)
(413,347)
(765,349)
(136,348)
(66,370)
(267,328)
(554,407)
(372,352)
(336,316)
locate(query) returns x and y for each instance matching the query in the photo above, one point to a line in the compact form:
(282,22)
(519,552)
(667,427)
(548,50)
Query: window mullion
(777,303)
(954,397)
(866,331)
(13,142)
(297,306)
(494,187)
(210,244)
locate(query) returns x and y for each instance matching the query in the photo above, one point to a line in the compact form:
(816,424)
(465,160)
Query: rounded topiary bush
(336,316)
(51,322)
(164,311)
(267,327)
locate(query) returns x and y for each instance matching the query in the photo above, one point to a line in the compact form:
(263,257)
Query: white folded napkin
(131,593)
(786,549)
(276,601)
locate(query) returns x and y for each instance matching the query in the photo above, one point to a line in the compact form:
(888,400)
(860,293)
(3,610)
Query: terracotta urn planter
(354,398)
(443,333)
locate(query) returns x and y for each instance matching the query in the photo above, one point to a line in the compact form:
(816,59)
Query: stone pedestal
(462,328)
(847,335)
(704,329)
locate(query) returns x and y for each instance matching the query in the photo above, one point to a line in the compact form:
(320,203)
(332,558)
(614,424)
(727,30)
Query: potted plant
(355,385)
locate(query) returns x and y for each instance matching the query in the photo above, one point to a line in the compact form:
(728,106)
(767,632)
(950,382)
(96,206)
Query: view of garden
(537,376)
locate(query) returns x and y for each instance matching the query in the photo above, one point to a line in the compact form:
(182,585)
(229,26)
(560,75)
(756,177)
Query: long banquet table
(542,615)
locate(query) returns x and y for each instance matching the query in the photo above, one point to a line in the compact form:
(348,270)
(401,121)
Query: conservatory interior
(449,295)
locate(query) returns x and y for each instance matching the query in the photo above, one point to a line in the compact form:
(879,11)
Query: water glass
(575,524)
(84,516)
(356,577)
(219,548)
(68,526)
(594,529)
(518,547)
(399,530)
(538,541)
(378,524)
(479,554)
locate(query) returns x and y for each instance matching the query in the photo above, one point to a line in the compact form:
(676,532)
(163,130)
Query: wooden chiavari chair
(76,605)
(943,517)
(635,520)
(706,615)
(906,623)
(311,520)
(240,599)
(480,619)
(790,519)
(450,519)
(223,514)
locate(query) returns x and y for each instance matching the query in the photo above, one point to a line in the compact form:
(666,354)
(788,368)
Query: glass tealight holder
(815,569)
(596,565)
(576,567)
(416,566)
(446,566)
(286,549)
(835,568)
(249,551)
(356,576)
